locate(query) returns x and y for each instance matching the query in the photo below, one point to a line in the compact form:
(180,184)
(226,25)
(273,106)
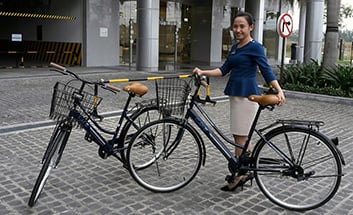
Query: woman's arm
(209,73)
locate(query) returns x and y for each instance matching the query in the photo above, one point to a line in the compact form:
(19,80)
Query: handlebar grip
(112,88)
(57,66)
(204,84)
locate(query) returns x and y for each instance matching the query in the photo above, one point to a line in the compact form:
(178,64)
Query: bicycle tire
(314,180)
(139,118)
(147,158)
(51,142)
(54,152)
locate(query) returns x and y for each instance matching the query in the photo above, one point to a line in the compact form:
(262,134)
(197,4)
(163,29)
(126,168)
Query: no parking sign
(285,25)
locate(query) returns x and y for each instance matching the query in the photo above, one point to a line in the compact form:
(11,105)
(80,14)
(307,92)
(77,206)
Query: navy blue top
(243,64)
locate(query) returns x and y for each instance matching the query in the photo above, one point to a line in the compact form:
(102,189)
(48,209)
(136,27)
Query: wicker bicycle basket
(63,101)
(172,95)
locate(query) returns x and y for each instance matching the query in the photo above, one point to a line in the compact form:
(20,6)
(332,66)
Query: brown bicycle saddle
(265,100)
(137,88)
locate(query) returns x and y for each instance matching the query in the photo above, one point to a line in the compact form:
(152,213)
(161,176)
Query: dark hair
(249,18)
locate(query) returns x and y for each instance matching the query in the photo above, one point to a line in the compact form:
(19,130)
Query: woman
(243,62)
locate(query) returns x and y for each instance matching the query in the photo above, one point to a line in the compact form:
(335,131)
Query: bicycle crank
(105,151)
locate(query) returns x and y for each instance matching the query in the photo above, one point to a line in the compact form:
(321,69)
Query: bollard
(352,53)
(22,62)
(293,55)
(341,51)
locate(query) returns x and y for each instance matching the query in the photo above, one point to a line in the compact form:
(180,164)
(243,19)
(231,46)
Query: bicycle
(294,164)
(76,107)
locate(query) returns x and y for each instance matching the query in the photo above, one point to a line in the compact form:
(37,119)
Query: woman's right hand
(197,71)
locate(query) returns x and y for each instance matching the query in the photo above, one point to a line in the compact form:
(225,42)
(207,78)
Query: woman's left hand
(281,98)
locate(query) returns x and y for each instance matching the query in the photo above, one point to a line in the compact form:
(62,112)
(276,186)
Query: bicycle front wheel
(164,155)
(51,159)
(299,169)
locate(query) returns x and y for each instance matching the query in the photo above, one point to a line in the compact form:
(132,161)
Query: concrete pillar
(100,33)
(301,42)
(147,37)
(216,33)
(201,33)
(314,30)
(206,47)
(257,9)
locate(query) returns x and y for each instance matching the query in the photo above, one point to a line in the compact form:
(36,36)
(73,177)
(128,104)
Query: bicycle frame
(211,131)
(92,131)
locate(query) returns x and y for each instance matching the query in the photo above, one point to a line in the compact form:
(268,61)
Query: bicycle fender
(202,144)
(335,143)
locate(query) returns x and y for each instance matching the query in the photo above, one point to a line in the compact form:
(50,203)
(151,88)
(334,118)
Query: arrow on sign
(285,25)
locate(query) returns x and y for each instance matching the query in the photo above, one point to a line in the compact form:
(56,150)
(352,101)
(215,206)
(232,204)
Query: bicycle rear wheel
(137,120)
(164,155)
(308,178)
(51,159)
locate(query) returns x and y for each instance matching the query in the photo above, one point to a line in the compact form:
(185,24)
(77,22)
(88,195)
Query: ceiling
(25,5)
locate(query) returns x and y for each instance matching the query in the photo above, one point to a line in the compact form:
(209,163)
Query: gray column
(201,33)
(100,33)
(314,30)
(257,9)
(216,33)
(147,37)
(302,22)
(206,47)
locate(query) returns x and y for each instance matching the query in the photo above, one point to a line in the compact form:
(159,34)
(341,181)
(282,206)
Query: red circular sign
(285,25)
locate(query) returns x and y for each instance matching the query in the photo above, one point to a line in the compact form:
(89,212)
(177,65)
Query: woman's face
(241,28)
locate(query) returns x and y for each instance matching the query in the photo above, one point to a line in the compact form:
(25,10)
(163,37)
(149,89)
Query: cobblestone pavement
(86,184)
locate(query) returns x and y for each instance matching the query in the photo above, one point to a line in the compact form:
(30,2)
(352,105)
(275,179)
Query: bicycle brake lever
(56,70)
(106,88)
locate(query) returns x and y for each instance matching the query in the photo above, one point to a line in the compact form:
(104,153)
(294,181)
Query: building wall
(101,33)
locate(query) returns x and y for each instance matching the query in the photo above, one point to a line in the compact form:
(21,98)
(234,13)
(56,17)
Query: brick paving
(84,183)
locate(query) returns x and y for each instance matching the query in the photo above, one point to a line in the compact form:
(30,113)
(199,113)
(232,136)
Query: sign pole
(284,29)
(282,60)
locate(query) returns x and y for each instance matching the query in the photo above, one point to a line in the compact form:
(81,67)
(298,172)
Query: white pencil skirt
(242,114)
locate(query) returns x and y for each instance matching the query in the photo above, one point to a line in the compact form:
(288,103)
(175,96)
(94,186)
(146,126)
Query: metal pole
(283,40)
(131,41)
(176,37)
(351,53)
(283,56)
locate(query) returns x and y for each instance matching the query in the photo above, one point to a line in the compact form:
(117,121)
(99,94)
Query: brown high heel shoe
(242,180)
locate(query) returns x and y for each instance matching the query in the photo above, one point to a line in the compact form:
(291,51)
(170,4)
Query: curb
(319,97)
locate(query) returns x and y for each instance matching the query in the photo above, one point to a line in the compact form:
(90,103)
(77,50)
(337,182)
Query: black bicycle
(76,107)
(295,165)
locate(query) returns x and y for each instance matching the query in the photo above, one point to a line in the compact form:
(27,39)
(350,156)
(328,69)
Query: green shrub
(312,78)
(308,74)
(340,77)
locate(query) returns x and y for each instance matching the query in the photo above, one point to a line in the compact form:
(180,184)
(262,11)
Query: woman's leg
(241,140)
(239,180)
(242,113)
